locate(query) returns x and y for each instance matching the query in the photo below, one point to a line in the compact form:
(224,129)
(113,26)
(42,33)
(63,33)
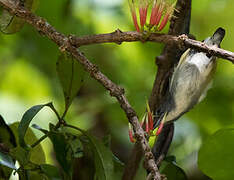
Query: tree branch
(63,42)
(180,42)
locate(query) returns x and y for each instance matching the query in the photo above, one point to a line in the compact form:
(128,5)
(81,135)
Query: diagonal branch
(63,42)
(181,41)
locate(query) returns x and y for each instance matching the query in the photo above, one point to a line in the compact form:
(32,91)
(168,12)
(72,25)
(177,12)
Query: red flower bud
(161,124)
(135,21)
(147,125)
(164,22)
(143,120)
(167,16)
(154,14)
(150,119)
(133,12)
(159,128)
(160,12)
(143,8)
(132,139)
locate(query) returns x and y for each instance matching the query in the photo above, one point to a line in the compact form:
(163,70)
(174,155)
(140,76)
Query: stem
(64,113)
(39,140)
(73,127)
(45,136)
(59,123)
(56,113)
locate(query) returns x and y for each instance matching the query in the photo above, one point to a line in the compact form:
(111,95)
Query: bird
(189,82)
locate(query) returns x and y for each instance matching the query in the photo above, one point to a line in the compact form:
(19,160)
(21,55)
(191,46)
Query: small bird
(189,82)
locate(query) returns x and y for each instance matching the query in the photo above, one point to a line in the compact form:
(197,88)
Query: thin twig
(64,44)
(132,36)
(39,141)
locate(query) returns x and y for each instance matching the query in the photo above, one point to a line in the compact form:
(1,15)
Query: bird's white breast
(200,60)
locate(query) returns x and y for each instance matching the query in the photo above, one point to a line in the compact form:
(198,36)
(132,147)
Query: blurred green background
(28,75)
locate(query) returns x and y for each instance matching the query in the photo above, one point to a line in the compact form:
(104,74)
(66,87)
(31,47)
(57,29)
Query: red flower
(161,10)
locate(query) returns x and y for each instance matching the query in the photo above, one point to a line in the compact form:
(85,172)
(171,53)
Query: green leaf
(103,158)
(215,156)
(21,155)
(118,165)
(67,147)
(7,161)
(107,141)
(37,154)
(172,171)
(71,76)
(25,121)
(61,149)
(171,159)
(9,23)
(118,168)
(6,135)
(50,171)
(7,140)
(75,146)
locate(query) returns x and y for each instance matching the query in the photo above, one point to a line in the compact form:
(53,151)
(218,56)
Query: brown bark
(178,42)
